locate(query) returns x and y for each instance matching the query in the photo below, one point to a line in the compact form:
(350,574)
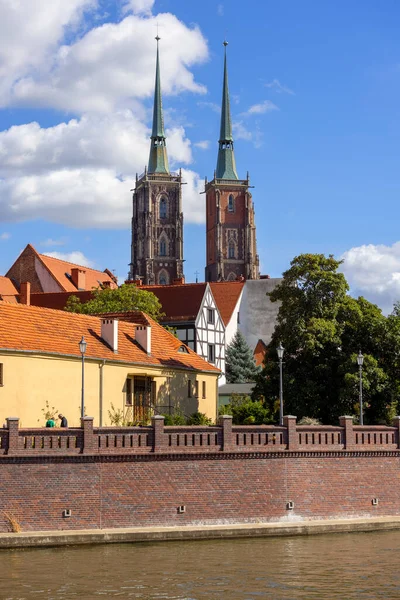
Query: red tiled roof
(8,291)
(58,268)
(226,295)
(259,352)
(31,328)
(179,302)
(58,300)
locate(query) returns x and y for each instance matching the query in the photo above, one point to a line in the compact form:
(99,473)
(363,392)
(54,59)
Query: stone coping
(36,539)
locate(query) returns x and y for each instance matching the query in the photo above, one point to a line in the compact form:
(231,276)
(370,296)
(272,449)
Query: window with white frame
(210,316)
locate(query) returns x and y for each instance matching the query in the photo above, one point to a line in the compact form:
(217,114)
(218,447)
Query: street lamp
(280,350)
(82,348)
(360,361)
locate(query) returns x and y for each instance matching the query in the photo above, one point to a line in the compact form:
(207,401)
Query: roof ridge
(70,263)
(21,306)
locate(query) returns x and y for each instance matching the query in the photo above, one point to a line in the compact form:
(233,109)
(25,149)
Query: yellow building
(136,368)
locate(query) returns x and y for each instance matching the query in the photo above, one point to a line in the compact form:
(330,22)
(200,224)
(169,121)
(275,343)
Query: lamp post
(82,348)
(360,361)
(280,350)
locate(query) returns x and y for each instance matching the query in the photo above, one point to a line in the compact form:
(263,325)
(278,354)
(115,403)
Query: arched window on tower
(231,203)
(163,278)
(231,250)
(163,208)
(163,247)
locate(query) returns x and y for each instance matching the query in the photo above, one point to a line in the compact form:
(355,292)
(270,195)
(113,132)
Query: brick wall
(111,479)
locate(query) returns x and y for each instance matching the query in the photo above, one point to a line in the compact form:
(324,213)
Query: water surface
(347,566)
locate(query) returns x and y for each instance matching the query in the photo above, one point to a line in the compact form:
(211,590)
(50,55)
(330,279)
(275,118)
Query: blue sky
(314,95)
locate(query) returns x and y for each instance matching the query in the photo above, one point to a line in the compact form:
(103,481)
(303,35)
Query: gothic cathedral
(157,222)
(230,228)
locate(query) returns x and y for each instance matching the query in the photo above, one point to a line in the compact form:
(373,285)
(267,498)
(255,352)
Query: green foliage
(125,298)
(176,418)
(245,411)
(49,412)
(198,418)
(322,329)
(116,416)
(240,365)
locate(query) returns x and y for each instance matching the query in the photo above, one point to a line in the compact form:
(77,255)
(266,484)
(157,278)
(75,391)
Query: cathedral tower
(230,229)
(157,222)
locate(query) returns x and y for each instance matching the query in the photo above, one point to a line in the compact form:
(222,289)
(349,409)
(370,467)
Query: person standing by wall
(64,422)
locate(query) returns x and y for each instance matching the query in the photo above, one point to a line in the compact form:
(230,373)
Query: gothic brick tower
(157,222)
(230,229)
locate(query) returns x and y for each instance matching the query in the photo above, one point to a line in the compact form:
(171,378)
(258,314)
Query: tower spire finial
(226,166)
(158,159)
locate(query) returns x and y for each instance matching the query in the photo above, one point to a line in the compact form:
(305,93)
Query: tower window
(163,208)
(163,278)
(231,204)
(231,250)
(163,247)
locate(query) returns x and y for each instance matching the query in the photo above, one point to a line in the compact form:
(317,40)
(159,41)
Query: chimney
(109,332)
(78,277)
(178,281)
(143,337)
(25,293)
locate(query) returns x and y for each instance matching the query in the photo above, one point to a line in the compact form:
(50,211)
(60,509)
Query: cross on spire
(226,165)
(158,159)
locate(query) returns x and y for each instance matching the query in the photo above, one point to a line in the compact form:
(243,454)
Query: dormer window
(183,349)
(163,208)
(231,204)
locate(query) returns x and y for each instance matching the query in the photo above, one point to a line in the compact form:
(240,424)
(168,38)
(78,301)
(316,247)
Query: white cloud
(203,145)
(5,236)
(212,105)
(240,131)
(374,272)
(193,203)
(77,257)
(50,242)
(261,108)
(139,6)
(79,173)
(62,172)
(276,85)
(112,66)
(30,32)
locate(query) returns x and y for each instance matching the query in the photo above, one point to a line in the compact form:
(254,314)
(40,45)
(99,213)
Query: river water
(347,566)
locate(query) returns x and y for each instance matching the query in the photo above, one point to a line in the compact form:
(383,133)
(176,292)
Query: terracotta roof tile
(8,291)
(31,328)
(58,268)
(179,302)
(58,300)
(226,295)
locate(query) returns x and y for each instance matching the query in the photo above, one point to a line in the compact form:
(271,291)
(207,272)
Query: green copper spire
(158,159)
(226,165)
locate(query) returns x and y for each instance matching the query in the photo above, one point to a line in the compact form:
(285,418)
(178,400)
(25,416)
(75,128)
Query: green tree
(125,298)
(322,329)
(240,365)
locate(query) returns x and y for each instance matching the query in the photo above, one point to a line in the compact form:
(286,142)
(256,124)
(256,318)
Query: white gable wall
(211,333)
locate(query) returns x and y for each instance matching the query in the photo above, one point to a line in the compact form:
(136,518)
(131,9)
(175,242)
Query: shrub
(199,418)
(176,418)
(309,421)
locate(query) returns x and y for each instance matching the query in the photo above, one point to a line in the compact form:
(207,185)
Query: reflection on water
(354,566)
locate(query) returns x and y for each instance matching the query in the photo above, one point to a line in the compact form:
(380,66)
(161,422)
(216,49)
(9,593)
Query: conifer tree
(240,365)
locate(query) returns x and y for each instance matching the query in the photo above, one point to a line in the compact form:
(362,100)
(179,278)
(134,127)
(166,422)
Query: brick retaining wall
(109,478)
